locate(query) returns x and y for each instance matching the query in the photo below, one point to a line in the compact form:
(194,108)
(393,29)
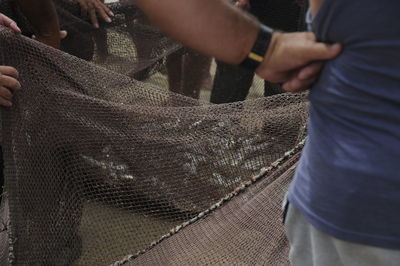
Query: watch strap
(260,47)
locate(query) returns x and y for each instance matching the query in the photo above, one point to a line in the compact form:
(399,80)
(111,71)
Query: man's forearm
(43,17)
(213,27)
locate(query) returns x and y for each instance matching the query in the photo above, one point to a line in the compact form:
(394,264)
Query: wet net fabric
(245,228)
(4,226)
(105,165)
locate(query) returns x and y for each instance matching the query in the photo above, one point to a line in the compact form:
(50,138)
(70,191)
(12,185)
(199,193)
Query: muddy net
(107,164)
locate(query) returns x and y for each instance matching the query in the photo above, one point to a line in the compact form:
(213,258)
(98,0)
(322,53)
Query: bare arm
(216,28)
(43,17)
(213,27)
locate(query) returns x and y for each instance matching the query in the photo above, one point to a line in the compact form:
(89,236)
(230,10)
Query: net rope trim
(241,189)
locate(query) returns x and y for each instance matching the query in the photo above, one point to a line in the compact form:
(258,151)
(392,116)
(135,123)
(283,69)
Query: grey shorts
(311,247)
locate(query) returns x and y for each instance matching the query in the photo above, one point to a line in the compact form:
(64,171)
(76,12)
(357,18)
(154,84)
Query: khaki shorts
(311,247)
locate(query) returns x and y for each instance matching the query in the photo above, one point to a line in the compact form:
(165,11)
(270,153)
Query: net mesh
(102,160)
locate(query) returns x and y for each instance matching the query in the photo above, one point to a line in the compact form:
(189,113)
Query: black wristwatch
(260,47)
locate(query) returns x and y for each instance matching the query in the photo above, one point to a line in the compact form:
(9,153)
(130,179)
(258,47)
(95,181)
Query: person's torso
(348,180)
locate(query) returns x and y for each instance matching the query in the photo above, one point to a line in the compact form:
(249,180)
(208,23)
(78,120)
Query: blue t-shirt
(348,180)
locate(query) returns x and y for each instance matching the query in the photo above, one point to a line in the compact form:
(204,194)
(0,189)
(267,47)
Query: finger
(5,93)
(9,71)
(63,34)
(93,16)
(84,9)
(106,9)
(320,51)
(309,36)
(274,77)
(297,85)
(6,21)
(9,82)
(5,103)
(310,70)
(102,12)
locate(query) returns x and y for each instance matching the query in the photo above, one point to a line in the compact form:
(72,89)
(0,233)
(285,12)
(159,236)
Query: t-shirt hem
(346,235)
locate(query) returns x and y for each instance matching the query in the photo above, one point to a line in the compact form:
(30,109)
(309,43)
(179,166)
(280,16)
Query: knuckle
(4,93)
(8,82)
(310,36)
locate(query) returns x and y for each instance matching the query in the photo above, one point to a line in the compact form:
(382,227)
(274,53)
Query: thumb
(63,34)
(321,51)
(15,27)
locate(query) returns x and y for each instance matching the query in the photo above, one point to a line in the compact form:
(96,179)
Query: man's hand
(8,84)
(6,21)
(216,28)
(8,75)
(294,59)
(92,8)
(52,40)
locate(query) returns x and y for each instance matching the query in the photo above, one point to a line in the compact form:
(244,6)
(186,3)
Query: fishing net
(106,165)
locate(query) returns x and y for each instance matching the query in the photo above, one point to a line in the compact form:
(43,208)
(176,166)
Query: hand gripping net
(104,169)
